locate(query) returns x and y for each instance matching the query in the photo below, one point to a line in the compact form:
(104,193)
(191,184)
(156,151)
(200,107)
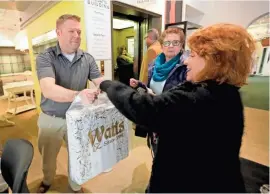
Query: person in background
(200,122)
(165,72)
(63,71)
(153,50)
(125,65)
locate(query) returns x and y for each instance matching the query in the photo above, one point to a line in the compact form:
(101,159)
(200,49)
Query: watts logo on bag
(110,134)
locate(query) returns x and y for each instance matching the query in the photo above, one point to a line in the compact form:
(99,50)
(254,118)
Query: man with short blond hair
(63,71)
(66,17)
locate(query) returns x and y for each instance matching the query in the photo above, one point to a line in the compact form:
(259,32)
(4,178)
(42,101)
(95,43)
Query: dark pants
(152,144)
(147,189)
(125,73)
(153,147)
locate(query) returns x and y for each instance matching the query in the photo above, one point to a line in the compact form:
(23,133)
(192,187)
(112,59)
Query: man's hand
(88,96)
(133,83)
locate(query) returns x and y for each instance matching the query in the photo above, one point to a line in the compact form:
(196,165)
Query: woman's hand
(133,83)
(149,91)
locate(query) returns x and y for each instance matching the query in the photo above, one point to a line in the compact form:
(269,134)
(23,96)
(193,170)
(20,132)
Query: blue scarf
(162,68)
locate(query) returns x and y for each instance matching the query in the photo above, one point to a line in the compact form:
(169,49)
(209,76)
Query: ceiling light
(121,24)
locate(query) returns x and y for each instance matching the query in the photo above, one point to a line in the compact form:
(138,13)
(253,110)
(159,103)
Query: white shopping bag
(97,138)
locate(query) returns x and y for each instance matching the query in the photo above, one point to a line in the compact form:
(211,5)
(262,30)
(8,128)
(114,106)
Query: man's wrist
(75,93)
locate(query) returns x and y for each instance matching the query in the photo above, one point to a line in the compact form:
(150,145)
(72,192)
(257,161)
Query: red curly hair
(228,53)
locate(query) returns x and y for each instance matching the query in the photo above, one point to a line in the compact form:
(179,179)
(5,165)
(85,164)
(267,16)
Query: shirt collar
(58,51)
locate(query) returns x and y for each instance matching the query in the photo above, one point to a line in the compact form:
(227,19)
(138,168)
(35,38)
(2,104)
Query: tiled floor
(131,174)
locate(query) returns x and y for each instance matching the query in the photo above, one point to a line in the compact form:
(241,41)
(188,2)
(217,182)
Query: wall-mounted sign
(145,1)
(98,28)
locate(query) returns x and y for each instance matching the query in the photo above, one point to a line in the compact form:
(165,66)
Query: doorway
(123,47)
(129,27)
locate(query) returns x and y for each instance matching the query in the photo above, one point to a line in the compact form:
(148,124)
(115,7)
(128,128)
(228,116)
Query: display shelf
(21,109)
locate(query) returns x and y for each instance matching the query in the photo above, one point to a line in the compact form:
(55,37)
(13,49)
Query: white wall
(6,40)
(237,12)
(156,6)
(21,41)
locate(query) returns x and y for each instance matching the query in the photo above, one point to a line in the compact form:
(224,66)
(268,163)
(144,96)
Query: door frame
(138,15)
(185,26)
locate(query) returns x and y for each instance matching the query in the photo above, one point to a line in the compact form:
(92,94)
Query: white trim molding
(34,14)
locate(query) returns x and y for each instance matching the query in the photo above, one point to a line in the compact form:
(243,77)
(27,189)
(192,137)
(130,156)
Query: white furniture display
(15,88)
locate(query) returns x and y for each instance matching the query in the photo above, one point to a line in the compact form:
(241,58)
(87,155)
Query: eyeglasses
(174,43)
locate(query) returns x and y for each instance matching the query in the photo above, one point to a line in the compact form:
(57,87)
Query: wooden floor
(255,145)
(131,174)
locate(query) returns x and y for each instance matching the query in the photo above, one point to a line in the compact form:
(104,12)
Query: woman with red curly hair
(201,122)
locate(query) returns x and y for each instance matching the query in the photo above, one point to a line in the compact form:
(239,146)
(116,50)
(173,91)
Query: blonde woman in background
(125,65)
